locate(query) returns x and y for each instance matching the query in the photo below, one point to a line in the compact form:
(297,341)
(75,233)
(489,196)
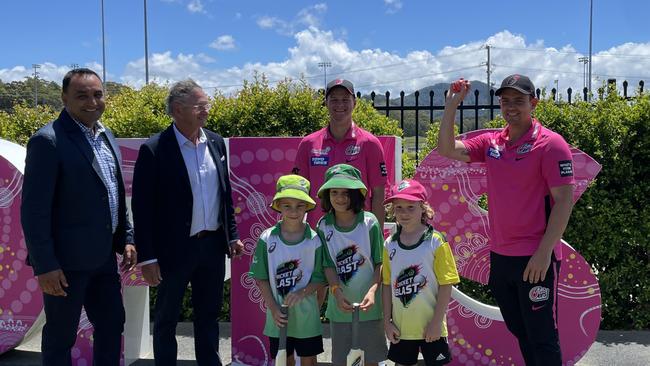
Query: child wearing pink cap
(417,274)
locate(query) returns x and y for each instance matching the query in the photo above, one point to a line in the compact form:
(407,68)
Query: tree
(22,92)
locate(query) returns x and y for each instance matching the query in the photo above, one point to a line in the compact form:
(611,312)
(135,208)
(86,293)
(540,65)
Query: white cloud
(268,22)
(311,16)
(308,17)
(380,70)
(14,74)
(223,43)
(195,6)
(47,71)
(201,57)
(393,6)
(163,67)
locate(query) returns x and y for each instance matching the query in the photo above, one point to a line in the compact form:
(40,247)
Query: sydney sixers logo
(287,275)
(409,283)
(348,261)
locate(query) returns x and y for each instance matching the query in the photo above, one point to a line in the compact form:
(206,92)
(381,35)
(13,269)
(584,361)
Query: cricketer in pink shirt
(342,141)
(520,176)
(530,198)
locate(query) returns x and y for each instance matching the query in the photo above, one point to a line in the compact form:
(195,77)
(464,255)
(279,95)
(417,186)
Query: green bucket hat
(343,176)
(292,186)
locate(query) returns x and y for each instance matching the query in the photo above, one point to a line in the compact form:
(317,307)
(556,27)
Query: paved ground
(629,348)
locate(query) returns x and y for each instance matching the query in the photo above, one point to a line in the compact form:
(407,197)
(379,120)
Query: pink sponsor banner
(255,166)
(21,300)
(477,333)
(20,297)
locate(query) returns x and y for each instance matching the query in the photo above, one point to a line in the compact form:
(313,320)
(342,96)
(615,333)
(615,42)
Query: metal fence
(469,108)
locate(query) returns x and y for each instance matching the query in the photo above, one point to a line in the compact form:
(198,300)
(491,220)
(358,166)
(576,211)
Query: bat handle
(355,326)
(282,343)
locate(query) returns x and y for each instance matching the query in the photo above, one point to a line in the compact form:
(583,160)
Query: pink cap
(408,189)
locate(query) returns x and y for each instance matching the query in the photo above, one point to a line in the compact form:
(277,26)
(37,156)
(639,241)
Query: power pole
(325,65)
(489,71)
(591,15)
(585,61)
(146,47)
(36,67)
(103,48)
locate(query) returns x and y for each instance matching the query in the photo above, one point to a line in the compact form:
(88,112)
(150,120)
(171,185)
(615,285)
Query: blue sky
(380,44)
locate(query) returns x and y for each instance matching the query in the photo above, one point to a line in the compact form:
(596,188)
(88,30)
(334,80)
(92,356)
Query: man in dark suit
(74,218)
(184,222)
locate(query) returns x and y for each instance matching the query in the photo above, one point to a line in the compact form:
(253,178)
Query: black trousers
(98,291)
(202,265)
(529,310)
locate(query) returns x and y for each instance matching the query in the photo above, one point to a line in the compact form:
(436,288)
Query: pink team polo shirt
(519,180)
(319,151)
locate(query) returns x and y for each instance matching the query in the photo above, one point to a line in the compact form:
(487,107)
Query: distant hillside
(438,95)
(438,100)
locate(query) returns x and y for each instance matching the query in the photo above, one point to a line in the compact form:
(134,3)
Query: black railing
(490,105)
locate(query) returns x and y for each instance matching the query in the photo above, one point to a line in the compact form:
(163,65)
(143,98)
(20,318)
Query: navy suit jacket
(162,198)
(65,212)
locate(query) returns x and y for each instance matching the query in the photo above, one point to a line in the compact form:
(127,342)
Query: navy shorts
(304,347)
(405,352)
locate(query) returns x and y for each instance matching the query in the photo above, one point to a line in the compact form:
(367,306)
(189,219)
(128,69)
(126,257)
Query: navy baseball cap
(519,83)
(347,84)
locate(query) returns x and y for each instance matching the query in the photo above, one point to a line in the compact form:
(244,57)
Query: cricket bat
(355,356)
(281,357)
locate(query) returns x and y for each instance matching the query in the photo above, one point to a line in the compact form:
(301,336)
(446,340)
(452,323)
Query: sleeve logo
(566,168)
(382,169)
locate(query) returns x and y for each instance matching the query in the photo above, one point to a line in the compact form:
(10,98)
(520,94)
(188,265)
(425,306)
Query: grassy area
(408,144)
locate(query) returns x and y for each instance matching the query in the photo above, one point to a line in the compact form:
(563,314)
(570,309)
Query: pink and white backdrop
(477,333)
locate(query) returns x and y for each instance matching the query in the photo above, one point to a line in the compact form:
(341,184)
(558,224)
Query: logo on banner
(409,283)
(287,275)
(538,293)
(348,261)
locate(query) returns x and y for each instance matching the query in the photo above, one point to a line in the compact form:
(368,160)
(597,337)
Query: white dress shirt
(204,181)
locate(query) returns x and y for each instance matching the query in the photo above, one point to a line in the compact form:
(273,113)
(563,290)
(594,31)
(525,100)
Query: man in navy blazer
(184,222)
(75,219)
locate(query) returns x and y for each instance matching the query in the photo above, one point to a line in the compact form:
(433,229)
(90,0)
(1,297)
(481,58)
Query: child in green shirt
(287,267)
(352,262)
